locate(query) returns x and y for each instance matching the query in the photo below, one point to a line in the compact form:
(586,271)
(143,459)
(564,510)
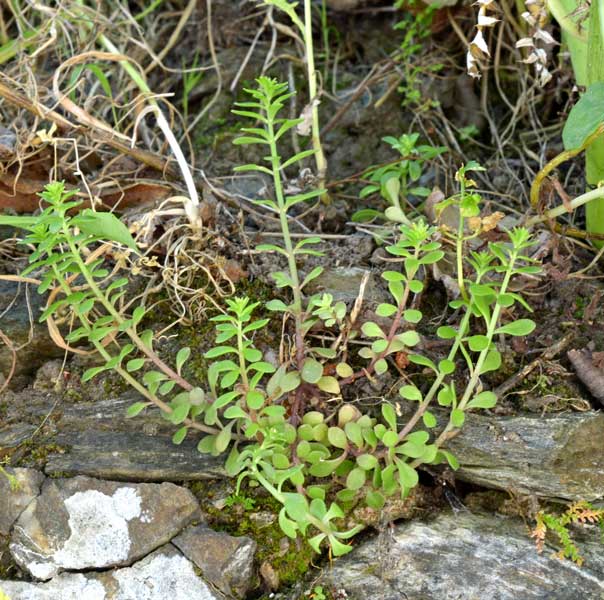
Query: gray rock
(132,455)
(558,456)
(32,339)
(163,575)
(13,435)
(464,557)
(13,501)
(343,284)
(95,439)
(224,560)
(84,523)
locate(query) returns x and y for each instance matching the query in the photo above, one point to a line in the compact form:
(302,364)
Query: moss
(8,568)
(292,564)
(39,454)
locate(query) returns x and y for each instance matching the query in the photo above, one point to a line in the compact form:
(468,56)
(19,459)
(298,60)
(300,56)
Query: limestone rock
(224,560)
(163,575)
(14,500)
(84,523)
(464,557)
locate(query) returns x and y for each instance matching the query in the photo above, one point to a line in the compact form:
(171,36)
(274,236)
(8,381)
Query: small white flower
(544,36)
(479,42)
(484,21)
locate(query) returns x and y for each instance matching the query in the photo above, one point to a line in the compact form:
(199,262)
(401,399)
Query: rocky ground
(105,507)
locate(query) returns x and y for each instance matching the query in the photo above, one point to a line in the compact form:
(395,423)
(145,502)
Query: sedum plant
(286,426)
(398,181)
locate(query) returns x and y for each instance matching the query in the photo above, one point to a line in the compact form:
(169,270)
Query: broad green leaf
(418,359)
(179,436)
(453,462)
(106,226)
(324,468)
(517,328)
(276,305)
(375,500)
(381,366)
(584,117)
(478,343)
(390,439)
(287,525)
(136,408)
(483,400)
(372,330)
(235,412)
(408,476)
(429,419)
(207,444)
(390,415)
(312,371)
(179,413)
(254,399)
(356,479)
(135,364)
(344,370)
(385,310)
(90,373)
(457,417)
(329,384)
(296,506)
(223,438)
(337,437)
(446,366)
(367,461)
(412,316)
(446,333)
(354,433)
(410,392)
(181,357)
(492,361)
(409,338)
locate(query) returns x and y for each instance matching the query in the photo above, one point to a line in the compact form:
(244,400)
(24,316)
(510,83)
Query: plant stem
(313,99)
(173,375)
(242,368)
(463,327)
(287,240)
(563,209)
(123,373)
(492,326)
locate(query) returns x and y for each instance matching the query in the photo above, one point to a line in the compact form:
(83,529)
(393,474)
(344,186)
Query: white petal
(541,55)
(530,59)
(529,18)
(544,36)
(526,42)
(544,77)
(479,42)
(484,21)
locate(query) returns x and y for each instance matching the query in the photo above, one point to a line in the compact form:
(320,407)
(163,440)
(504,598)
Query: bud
(348,413)
(313,417)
